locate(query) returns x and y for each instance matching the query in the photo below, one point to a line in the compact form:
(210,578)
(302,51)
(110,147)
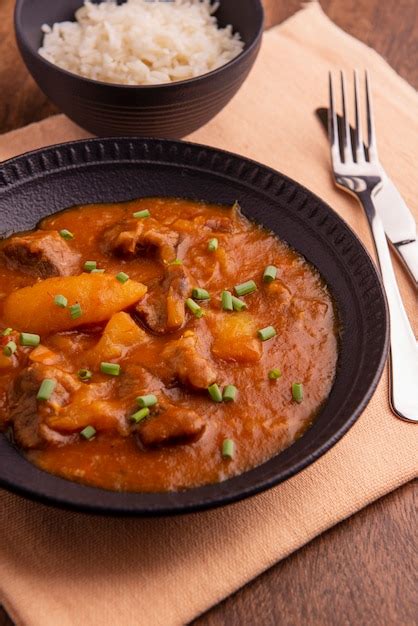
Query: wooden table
(361,571)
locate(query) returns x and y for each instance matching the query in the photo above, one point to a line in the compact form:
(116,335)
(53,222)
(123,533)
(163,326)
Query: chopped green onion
(111,369)
(212,244)
(90,265)
(270,273)
(88,432)
(194,308)
(146,401)
(122,277)
(228,449)
(75,311)
(200,294)
(230,393)
(215,392)
(61,301)
(66,234)
(274,374)
(46,389)
(10,348)
(142,214)
(140,415)
(238,304)
(226,299)
(7,331)
(245,288)
(176,262)
(297,392)
(266,333)
(84,374)
(28,339)
(97,272)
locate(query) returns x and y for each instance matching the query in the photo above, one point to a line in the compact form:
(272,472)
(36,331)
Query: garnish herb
(75,311)
(84,374)
(266,333)
(146,401)
(46,389)
(297,392)
(90,265)
(10,348)
(141,214)
(213,244)
(122,277)
(88,432)
(228,449)
(215,392)
(269,274)
(238,305)
(226,299)
(111,369)
(66,234)
(61,301)
(140,415)
(194,308)
(230,393)
(28,339)
(245,288)
(200,294)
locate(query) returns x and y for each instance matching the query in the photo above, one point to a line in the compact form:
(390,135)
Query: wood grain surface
(363,571)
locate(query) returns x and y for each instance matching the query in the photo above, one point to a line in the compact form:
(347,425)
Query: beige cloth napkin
(67,568)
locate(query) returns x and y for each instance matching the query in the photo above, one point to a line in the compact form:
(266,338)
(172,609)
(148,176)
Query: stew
(159,344)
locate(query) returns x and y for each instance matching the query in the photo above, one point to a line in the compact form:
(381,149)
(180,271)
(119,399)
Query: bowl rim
(245,487)
(254,42)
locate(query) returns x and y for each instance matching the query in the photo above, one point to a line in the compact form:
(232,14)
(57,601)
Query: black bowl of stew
(42,183)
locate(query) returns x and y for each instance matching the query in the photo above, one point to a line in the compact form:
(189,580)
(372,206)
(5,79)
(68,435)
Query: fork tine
(358,146)
(345,130)
(333,125)
(372,148)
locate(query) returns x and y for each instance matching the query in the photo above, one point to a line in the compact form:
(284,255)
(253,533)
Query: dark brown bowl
(167,110)
(111,170)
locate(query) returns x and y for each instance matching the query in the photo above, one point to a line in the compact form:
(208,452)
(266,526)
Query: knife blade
(399,224)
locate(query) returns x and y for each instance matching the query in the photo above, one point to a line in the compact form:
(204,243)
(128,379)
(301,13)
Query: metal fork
(356,170)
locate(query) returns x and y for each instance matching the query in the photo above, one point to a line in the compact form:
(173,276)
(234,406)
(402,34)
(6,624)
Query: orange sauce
(262,421)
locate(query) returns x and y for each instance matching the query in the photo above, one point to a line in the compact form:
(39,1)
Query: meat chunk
(42,254)
(137,381)
(163,310)
(122,239)
(220,224)
(183,361)
(172,425)
(140,237)
(26,412)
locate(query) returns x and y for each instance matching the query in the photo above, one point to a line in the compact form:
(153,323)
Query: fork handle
(403,345)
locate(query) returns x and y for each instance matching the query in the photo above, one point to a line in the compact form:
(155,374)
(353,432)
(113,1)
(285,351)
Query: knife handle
(403,345)
(398,223)
(408,252)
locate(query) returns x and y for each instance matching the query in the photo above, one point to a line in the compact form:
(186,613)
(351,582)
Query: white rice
(141,42)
